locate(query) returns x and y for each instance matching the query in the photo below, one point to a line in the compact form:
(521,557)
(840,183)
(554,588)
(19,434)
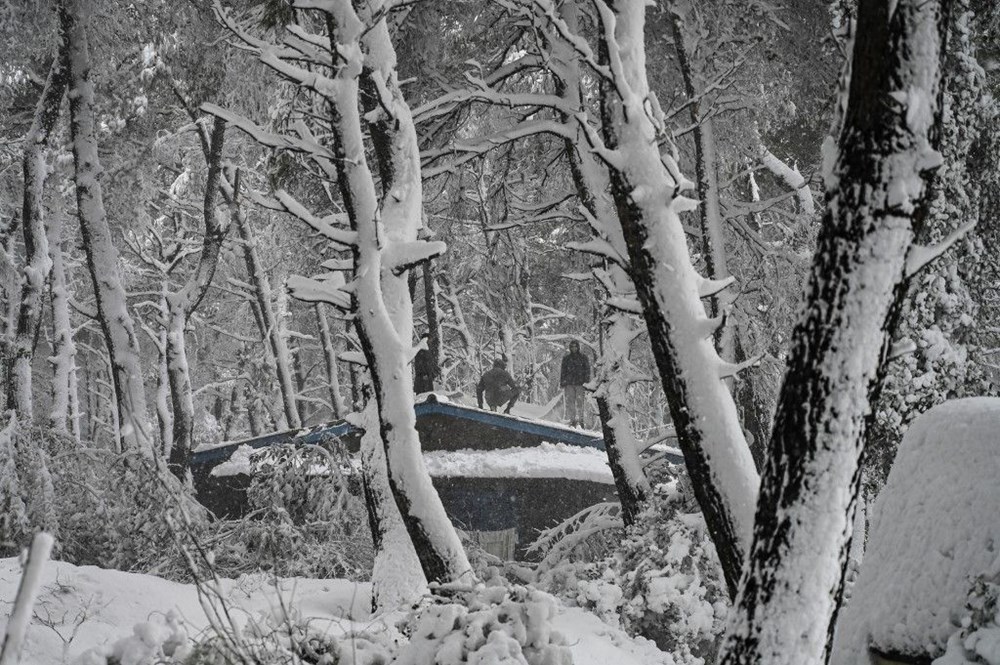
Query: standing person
(575,372)
(498,386)
(424,372)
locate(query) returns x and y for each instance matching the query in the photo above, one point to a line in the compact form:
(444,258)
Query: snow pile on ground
(548,460)
(933,531)
(84,607)
(133,616)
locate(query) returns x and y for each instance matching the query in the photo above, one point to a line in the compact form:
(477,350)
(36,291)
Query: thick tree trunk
(397,578)
(646,190)
(37,261)
(64,414)
(384,312)
(875,200)
(116,322)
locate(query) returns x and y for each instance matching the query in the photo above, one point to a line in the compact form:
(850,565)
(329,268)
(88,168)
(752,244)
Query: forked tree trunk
(116,322)
(383,240)
(384,312)
(183,303)
(875,201)
(614,371)
(36,247)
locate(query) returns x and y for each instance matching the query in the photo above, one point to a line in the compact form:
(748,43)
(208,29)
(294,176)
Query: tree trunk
(713,238)
(64,414)
(646,187)
(433,324)
(278,347)
(37,261)
(164,416)
(330,357)
(384,312)
(397,578)
(613,374)
(876,199)
(116,322)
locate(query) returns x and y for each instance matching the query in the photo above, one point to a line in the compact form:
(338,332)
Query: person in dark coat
(498,387)
(424,372)
(574,373)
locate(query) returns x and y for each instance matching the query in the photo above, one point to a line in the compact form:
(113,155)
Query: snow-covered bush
(663,582)
(273,639)
(307,518)
(487,625)
(672,584)
(978,641)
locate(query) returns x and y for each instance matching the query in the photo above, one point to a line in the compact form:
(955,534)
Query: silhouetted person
(574,373)
(424,372)
(498,386)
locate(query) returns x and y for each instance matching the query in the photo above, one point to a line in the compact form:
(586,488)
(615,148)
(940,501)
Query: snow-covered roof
(934,528)
(549,460)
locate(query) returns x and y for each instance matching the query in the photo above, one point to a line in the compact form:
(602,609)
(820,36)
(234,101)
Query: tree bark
(713,238)
(38,263)
(330,357)
(265,302)
(613,374)
(64,414)
(183,303)
(646,188)
(116,322)
(793,587)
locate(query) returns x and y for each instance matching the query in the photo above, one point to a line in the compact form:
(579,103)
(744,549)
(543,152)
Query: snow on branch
(791,177)
(727,369)
(710,287)
(623,304)
(324,226)
(919,256)
(598,247)
(323,289)
(266,138)
(401,256)
(353,357)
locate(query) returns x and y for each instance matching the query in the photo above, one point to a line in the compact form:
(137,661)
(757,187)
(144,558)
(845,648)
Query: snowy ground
(84,607)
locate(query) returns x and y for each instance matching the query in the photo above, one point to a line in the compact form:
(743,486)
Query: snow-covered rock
(934,529)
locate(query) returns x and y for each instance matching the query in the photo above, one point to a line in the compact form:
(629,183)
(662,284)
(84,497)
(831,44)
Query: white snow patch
(548,460)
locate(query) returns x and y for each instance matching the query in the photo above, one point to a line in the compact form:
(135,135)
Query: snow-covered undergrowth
(662,581)
(933,533)
(90,616)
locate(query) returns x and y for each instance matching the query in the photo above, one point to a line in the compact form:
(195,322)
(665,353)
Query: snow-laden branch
(920,256)
(323,289)
(324,226)
(792,178)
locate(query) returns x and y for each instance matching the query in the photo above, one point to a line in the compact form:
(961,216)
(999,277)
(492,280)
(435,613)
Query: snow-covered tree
(382,233)
(875,173)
